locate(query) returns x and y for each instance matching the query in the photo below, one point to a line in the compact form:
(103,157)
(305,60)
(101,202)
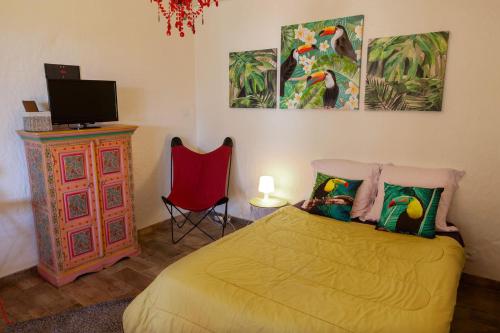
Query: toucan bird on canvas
(332,89)
(340,41)
(288,67)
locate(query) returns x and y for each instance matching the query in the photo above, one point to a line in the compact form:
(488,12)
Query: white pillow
(368,172)
(420,177)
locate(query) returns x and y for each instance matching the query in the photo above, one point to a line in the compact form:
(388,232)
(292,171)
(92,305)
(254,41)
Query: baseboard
(478,281)
(240,220)
(151,228)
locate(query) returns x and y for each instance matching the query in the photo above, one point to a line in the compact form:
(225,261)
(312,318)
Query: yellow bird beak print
(328,31)
(414,208)
(332,184)
(306,48)
(316,77)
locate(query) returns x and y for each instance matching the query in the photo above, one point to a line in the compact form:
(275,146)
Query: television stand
(83,126)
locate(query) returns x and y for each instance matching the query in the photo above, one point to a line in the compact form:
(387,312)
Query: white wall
(281,143)
(121,40)
(114,40)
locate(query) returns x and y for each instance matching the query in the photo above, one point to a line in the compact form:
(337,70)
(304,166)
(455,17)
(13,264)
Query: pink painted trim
(125,225)
(63,170)
(59,280)
(66,205)
(70,243)
(101,162)
(105,197)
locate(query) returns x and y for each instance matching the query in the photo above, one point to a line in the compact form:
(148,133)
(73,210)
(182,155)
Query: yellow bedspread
(296,272)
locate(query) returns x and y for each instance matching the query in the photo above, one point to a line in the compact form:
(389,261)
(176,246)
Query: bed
(296,272)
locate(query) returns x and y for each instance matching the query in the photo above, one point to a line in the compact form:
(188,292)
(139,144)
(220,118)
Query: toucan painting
(288,67)
(331,93)
(320,67)
(340,41)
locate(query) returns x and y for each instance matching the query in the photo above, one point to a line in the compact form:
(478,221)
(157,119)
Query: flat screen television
(82,102)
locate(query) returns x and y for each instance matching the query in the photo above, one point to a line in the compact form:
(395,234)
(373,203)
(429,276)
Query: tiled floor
(27,296)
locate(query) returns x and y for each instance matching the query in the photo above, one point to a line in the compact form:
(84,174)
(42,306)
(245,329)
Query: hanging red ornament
(185,11)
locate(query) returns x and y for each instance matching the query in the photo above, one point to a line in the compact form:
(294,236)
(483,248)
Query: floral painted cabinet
(81,184)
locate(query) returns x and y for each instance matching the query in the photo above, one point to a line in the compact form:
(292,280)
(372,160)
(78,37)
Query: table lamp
(266,186)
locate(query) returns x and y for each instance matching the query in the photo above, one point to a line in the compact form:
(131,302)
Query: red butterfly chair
(199,183)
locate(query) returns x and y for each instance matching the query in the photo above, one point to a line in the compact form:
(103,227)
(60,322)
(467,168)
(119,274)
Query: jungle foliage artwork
(321,64)
(406,72)
(252,79)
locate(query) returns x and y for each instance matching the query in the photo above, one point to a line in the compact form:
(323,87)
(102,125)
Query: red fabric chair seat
(199,182)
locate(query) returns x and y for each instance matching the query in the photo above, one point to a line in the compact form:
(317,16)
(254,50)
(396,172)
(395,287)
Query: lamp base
(268,203)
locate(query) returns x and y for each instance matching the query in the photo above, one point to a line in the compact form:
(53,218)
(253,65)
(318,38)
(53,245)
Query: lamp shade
(266,184)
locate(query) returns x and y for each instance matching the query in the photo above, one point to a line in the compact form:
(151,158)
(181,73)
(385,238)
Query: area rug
(99,318)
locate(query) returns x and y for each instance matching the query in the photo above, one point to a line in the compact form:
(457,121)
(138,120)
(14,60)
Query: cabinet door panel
(76,201)
(112,157)
(114,197)
(74,166)
(115,192)
(118,233)
(81,244)
(110,160)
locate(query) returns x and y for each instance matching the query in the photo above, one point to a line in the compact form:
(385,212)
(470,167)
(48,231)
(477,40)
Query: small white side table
(260,208)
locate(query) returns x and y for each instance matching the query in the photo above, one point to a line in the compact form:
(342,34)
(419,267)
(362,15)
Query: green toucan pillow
(410,210)
(332,197)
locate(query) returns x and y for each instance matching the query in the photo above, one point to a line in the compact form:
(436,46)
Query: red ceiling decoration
(182,12)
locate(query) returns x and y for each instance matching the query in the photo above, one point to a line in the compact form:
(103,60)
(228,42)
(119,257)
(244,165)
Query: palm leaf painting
(252,79)
(320,64)
(406,72)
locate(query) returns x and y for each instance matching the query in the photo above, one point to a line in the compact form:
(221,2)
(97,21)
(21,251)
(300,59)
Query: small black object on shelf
(62,72)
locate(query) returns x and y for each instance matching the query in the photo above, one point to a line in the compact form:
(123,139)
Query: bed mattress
(296,272)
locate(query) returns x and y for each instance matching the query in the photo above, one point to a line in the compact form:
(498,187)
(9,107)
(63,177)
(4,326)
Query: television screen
(82,101)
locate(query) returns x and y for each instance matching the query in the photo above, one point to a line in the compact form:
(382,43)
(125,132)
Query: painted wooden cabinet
(82,199)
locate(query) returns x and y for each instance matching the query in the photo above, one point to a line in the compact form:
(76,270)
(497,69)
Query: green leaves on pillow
(410,210)
(332,197)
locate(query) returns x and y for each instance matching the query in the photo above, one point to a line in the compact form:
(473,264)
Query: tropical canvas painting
(253,79)
(406,72)
(321,64)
